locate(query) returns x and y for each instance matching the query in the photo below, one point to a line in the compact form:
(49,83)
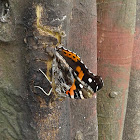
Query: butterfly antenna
(41,87)
(45,76)
(48,94)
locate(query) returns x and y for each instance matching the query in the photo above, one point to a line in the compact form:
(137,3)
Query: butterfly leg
(41,87)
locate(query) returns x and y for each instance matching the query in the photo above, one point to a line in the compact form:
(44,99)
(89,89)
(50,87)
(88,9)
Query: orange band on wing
(71,92)
(78,69)
(81,74)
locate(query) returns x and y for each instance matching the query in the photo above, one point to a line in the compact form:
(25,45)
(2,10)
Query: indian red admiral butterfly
(71,76)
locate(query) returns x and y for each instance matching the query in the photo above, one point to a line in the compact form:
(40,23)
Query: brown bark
(50,115)
(69,121)
(132,126)
(15,115)
(116,23)
(27,113)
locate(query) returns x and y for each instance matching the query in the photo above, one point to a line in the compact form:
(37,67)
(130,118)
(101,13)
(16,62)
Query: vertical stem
(132,127)
(116,24)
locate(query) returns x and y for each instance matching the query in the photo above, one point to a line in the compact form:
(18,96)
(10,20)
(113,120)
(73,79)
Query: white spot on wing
(78,56)
(81,86)
(89,71)
(72,96)
(97,88)
(81,95)
(90,80)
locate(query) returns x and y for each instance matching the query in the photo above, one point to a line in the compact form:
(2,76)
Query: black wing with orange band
(82,72)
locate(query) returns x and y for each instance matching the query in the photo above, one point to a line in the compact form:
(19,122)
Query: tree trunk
(116,24)
(132,126)
(16,122)
(51,116)
(27,113)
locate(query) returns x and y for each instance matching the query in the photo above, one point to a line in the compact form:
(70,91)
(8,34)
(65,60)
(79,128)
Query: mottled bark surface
(132,121)
(27,27)
(51,115)
(116,24)
(15,115)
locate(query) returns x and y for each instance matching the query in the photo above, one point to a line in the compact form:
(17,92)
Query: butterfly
(71,76)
